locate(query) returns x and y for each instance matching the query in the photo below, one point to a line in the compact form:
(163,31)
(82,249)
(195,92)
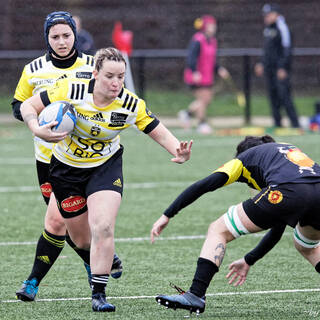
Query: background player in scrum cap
(61,60)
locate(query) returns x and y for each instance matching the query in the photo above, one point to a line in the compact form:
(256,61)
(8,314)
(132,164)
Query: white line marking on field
(140,239)
(143,185)
(152,297)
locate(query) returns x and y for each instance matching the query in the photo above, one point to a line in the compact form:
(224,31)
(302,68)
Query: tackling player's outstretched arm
(214,181)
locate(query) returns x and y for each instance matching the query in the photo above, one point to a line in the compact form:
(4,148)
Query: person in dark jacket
(276,64)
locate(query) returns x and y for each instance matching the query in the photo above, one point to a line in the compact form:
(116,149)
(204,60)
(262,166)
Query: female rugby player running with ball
(86,166)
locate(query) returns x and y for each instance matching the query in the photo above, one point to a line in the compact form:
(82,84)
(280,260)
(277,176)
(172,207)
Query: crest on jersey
(117,119)
(95,131)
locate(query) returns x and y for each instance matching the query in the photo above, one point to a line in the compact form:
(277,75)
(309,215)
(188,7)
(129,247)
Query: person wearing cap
(200,72)
(276,64)
(61,60)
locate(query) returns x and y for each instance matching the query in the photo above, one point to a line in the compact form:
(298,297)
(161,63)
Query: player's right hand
(45,132)
(158,226)
(239,269)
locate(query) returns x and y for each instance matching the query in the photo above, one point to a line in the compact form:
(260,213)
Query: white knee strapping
(303,241)
(233,223)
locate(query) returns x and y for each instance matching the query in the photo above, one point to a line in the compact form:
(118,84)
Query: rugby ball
(61,111)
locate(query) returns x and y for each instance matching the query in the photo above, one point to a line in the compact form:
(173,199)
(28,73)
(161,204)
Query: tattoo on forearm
(219,257)
(29,117)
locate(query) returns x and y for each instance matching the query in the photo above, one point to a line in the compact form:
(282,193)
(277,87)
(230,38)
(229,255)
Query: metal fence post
(141,76)
(247,88)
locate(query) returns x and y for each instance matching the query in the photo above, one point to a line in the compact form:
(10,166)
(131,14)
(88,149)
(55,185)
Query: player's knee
(219,228)
(55,224)
(233,222)
(102,231)
(302,243)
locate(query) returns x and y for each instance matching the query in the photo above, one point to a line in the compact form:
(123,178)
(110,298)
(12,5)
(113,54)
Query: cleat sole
(23,298)
(176,305)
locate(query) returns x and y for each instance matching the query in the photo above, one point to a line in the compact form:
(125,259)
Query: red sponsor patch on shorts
(73,203)
(46,189)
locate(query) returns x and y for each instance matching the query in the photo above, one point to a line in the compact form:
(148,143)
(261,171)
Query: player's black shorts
(72,186)
(285,204)
(43,178)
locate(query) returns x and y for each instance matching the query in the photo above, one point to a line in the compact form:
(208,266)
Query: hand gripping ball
(61,111)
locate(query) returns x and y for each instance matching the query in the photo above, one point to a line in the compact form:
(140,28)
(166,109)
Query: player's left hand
(183,153)
(158,226)
(239,269)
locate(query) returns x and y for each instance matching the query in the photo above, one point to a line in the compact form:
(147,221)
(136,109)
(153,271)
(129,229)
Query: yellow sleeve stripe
(246,174)
(233,169)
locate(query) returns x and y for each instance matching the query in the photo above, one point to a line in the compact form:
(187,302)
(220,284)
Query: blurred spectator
(276,64)
(315,120)
(85,39)
(200,72)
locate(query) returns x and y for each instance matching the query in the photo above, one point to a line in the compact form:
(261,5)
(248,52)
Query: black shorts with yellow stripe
(72,186)
(285,204)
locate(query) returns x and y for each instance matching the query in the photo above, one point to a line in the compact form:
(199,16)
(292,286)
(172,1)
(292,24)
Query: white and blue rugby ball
(61,111)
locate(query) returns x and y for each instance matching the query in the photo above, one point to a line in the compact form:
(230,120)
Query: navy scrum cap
(56,17)
(270,7)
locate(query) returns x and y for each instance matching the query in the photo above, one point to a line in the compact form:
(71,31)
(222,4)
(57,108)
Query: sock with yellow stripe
(48,249)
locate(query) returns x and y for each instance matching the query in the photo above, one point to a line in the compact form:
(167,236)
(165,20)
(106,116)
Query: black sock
(317,267)
(82,253)
(99,283)
(202,277)
(48,249)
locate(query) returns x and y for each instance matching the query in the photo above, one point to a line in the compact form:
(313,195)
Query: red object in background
(122,39)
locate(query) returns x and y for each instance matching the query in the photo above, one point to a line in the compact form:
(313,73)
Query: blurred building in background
(161,24)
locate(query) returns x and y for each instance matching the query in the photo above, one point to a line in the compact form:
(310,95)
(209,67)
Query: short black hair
(252,141)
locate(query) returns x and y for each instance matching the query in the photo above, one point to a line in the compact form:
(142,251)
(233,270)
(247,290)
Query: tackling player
(289,185)
(62,60)
(86,166)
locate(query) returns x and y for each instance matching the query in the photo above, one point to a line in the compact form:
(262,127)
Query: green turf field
(282,286)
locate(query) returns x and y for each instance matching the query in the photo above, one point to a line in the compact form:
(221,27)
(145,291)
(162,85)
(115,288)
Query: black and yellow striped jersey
(96,135)
(271,164)
(38,76)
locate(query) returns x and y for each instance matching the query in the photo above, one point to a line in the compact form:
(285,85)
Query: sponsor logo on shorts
(275,197)
(73,203)
(118,183)
(46,189)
